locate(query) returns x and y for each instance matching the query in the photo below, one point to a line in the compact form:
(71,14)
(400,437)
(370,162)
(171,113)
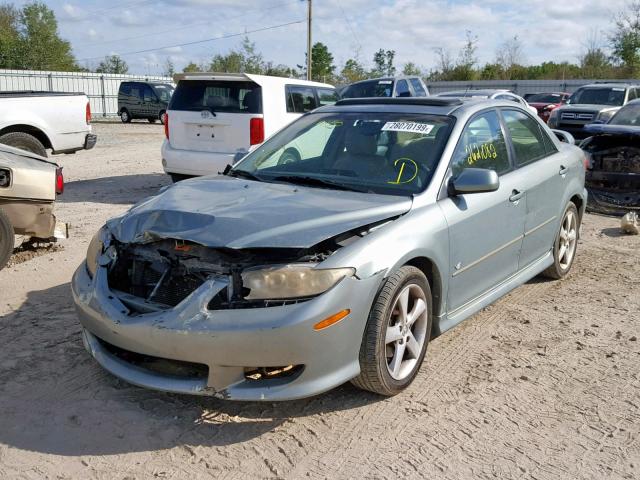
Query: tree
(279,70)
(231,62)
(352,71)
(625,38)
(192,67)
(113,64)
(383,61)
(411,69)
(322,66)
(510,55)
(9,37)
(169,68)
(465,67)
(594,62)
(43,48)
(252,61)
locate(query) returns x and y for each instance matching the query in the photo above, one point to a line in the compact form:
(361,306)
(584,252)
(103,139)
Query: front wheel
(397,333)
(125,116)
(565,245)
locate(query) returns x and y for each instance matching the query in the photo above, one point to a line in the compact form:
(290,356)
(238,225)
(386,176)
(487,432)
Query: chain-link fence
(102,89)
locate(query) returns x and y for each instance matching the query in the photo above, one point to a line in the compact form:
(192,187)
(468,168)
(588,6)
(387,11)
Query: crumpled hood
(234,213)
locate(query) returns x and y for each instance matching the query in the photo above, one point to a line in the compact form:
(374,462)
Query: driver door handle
(563,170)
(516,195)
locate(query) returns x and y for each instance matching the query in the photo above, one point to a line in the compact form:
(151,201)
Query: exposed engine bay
(613,179)
(159,275)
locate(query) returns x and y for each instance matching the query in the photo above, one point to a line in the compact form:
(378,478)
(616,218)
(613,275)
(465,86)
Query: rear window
(372,88)
(300,99)
(218,96)
(418,88)
(327,96)
(544,98)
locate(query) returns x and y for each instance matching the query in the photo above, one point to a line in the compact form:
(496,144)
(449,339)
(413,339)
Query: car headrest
(359,144)
(221,102)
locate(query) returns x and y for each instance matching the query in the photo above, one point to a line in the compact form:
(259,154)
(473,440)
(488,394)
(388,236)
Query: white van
(214,118)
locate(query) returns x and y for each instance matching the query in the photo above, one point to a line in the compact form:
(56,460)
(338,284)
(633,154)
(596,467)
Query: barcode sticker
(411,127)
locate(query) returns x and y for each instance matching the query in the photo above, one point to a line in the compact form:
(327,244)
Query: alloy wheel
(568,239)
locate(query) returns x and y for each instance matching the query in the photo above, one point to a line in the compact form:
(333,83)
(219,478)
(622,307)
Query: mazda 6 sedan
(333,252)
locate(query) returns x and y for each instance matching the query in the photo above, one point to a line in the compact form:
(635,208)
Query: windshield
(629,115)
(387,153)
(164,92)
(598,96)
(372,88)
(544,98)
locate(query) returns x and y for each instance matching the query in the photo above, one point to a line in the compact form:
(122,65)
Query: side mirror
(475,180)
(564,137)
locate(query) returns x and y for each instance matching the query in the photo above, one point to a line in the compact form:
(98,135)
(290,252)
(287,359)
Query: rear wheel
(6,239)
(152,120)
(565,245)
(397,333)
(125,116)
(24,141)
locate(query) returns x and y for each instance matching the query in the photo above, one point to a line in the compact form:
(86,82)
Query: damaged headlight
(93,252)
(291,281)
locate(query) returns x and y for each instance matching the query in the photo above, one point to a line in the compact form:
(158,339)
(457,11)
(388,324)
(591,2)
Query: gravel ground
(544,384)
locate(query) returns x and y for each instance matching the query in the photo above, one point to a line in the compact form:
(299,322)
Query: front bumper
(229,341)
(189,162)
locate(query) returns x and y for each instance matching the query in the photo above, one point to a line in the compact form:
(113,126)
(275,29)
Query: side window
(148,94)
(300,99)
(327,96)
(402,89)
(418,88)
(126,89)
(633,94)
(136,91)
(526,136)
(481,145)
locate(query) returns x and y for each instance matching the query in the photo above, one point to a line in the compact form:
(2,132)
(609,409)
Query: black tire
(560,269)
(6,239)
(162,117)
(152,120)
(24,141)
(290,155)
(125,116)
(375,374)
(178,177)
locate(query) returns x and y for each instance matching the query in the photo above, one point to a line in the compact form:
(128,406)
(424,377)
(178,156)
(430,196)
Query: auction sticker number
(411,127)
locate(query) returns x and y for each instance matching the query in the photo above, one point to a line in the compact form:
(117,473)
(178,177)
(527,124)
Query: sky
(146,33)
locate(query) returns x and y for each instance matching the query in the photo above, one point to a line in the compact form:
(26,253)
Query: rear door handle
(516,195)
(563,170)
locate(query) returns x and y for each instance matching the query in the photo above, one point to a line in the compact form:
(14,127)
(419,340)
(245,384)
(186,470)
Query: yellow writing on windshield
(408,171)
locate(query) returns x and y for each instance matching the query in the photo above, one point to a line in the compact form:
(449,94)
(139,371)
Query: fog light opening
(332,320)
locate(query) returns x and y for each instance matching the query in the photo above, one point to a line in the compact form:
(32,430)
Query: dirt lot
(545,384)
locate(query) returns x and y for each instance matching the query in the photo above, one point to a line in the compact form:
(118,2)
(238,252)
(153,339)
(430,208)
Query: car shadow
(613,232)
(123,189)
(55,399)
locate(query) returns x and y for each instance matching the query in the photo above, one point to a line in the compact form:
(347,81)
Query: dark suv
(143,100)
(595,103)
(386,87)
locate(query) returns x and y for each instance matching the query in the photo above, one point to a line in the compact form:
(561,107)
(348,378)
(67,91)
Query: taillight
(59,181)
(586,160)
(88,113)
(256,131)
(166,125)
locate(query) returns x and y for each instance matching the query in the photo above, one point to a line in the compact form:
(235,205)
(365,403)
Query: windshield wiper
(242,174)
(315,182)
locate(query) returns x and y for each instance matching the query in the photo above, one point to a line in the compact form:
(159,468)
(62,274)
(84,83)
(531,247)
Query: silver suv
(595,103)
(283,279)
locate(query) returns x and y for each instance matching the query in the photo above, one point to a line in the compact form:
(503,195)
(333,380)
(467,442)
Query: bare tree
(510,53)
(594,61)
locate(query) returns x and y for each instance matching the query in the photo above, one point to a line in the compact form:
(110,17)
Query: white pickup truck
(37,121)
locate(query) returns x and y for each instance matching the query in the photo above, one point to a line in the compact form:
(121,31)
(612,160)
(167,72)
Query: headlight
(553,118)
(291,281)
(93,252)
(605,115)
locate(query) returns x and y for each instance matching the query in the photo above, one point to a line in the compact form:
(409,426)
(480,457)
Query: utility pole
(308,39)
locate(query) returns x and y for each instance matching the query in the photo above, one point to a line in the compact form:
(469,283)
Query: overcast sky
(549,29)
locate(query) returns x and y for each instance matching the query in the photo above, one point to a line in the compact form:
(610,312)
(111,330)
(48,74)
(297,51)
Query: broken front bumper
(228,343)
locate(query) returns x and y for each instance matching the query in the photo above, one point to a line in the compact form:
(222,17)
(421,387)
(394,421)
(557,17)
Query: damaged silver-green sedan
(333,252)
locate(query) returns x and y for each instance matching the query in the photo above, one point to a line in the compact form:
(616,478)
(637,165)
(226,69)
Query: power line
(355,37)
(207,22)
(199,41)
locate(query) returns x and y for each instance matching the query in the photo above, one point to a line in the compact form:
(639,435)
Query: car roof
(262,80)
(422,105)
(610,85)
(471,93)
(384,79)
